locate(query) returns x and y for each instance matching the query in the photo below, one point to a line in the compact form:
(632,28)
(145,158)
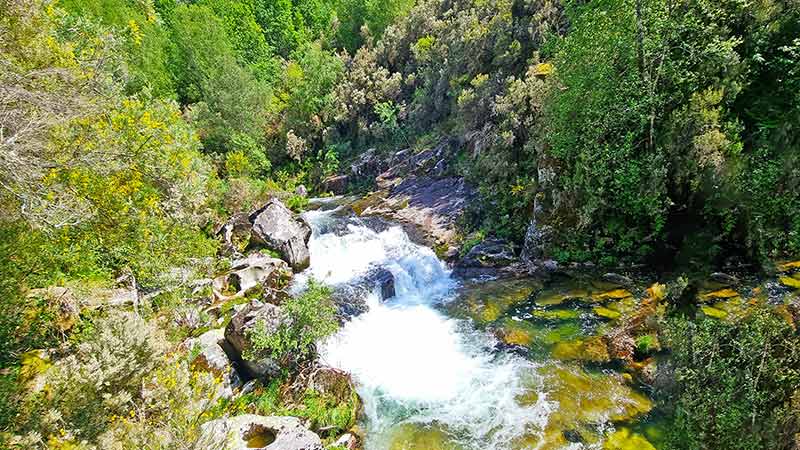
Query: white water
(413,364)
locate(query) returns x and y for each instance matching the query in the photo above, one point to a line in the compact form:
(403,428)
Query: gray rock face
(384,279)
(237,335)
(336,184)
(617,279)
(257,269)
(368,165)
(211,357)
(276,227)
(489,253)
(257,432)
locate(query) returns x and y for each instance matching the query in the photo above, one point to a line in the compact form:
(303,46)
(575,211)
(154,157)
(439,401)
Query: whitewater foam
(413,364)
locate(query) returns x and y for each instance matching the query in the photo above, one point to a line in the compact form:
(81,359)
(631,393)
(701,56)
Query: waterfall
(411,362)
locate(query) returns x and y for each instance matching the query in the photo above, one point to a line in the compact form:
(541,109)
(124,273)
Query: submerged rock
(262,432)
(384,279)
(277,228)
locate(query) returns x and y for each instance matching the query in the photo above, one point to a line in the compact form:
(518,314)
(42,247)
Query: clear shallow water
(429,380)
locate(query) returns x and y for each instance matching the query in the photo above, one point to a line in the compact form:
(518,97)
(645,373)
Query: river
(429,378)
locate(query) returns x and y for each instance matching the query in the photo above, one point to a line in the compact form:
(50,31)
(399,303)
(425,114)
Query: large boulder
(238,333)
(277,228)
(262,432)
(489,253)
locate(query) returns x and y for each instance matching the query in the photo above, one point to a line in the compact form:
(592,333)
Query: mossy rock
(718,294)
(593,349)
(370,200)
(607,313)
(710,311)
(791,282)
(615,294)
(625,439)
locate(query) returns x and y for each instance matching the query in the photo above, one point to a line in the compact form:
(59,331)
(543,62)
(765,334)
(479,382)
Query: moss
(614,294)
(790,282)
(624,439)
(710,311)
(607,313)
(718,294)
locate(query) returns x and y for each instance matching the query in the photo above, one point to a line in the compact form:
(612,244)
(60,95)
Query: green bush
(737,383)
(307,318)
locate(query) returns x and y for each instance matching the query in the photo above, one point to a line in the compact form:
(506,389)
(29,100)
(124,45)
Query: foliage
(737,382)
(101,379)
(307,318)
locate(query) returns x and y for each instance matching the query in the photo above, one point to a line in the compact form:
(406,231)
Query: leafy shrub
(737,382)
(101,379)
(307,318)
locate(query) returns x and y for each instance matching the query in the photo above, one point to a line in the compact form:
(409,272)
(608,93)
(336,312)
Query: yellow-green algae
(580,399)
(527,334)
(625,439)
(592,349)
(488,302)
(710,311)
(606,312)
(791,282)
(413,436)
(719,294)
(787,266)
(615,294)
(556,314)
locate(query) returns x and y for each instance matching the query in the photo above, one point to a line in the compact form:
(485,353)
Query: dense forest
(637,136)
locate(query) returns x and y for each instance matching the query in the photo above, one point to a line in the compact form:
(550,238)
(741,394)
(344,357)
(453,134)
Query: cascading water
(413,364)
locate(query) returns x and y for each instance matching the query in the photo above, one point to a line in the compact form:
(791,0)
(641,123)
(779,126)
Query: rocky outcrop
(277,228)
(489,253)
(235,235)
(417,192)
(262,432)
(369,165)
(211,357)
(258,270)
(336,184)
(238,331)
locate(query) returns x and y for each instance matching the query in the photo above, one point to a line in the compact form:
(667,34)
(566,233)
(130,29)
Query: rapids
(432,378)
(411,362)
